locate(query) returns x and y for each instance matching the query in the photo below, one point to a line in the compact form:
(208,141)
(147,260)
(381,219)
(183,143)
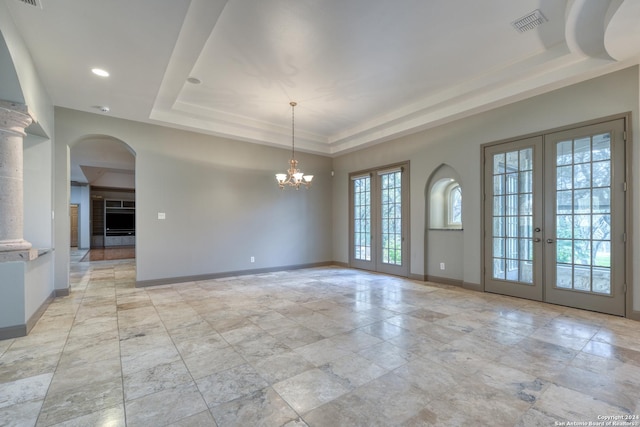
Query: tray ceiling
(362,71)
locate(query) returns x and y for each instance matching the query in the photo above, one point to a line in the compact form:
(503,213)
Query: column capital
(14,117)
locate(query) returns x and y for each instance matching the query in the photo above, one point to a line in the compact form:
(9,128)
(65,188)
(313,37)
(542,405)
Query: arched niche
(444,236)
(444,199)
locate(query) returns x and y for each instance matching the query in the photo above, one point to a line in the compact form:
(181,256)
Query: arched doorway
(102,184)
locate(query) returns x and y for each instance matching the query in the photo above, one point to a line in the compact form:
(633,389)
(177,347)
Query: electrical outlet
(442,266)
(253,259)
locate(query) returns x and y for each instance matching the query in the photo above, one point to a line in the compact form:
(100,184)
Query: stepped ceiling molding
(362,71)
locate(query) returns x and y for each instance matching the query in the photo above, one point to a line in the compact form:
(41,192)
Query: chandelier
(293,177)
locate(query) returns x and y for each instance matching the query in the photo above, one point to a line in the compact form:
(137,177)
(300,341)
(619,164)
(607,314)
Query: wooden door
(73,214)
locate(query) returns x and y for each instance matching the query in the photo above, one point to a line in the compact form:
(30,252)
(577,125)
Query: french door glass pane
(583,220)
(391,217)
(513,216)
(362,218)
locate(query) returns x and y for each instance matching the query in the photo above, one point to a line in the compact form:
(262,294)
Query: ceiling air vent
(35,3)
(528,22)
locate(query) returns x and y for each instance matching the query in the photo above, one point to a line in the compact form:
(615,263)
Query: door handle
(549,240)
(537,239)
(537,230)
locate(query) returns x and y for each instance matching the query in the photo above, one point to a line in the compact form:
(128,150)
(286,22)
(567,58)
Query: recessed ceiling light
(194,80)
(100,72)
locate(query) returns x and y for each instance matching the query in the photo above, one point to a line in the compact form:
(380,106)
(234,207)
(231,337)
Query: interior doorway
(102,172)
(555,208)
(73,220)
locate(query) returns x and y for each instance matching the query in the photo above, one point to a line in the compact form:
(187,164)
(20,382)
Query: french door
(513,214)
(378,220)
(555,218)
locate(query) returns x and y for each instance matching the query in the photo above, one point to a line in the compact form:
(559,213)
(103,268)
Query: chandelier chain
(293,130)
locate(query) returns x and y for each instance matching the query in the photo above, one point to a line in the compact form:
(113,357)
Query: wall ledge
(22,255)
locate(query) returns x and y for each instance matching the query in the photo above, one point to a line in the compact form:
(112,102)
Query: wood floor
(109,254)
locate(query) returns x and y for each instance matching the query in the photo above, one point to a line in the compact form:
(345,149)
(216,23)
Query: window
(445,205)
(455,206)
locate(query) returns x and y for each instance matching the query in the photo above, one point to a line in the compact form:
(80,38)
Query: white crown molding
(240,128)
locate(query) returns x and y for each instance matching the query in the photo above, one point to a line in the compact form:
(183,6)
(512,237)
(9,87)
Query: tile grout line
(545,321)
(124,405)
(86,280)
(179,354)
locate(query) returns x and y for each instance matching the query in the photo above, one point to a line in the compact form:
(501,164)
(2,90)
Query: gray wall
(458,144)
(24,287)
(445,246)
(38,194)
(220,198)
(37,287)
(12,294)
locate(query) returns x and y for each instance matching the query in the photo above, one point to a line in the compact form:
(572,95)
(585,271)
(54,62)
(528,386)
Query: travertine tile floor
(317,347)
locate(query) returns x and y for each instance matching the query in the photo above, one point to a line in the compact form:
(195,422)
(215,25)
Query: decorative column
(14,118)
